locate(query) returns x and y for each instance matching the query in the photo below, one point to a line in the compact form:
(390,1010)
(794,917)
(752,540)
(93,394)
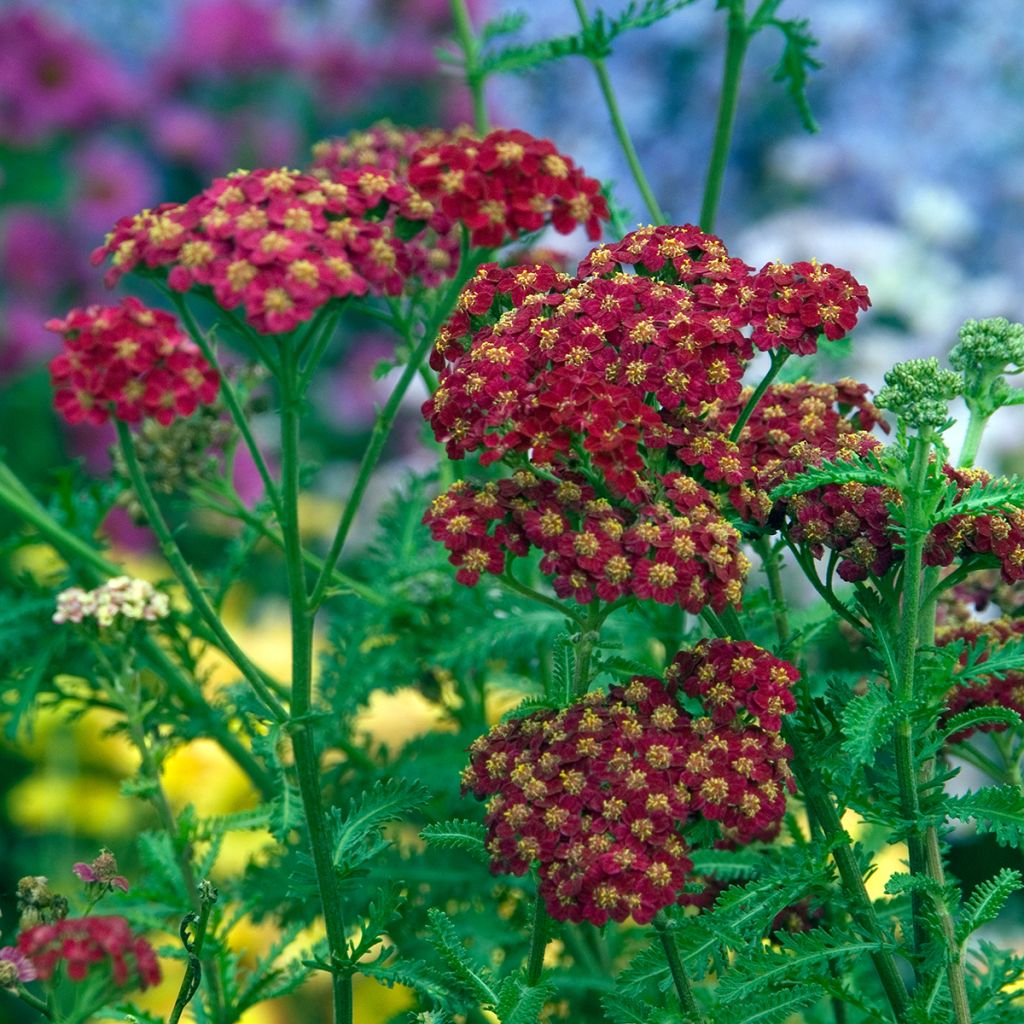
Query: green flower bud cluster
(919,391)
(987,349)
(185,452)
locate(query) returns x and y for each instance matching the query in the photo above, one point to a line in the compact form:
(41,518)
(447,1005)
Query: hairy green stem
(307,762)
(619,125)
(170,550)
(738,35)
(691,1010)
(475,77)
(96,568)
(34,1001)
(538,942)
(230,398)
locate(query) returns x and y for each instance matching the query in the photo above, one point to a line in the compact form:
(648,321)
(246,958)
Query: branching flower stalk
(476,78)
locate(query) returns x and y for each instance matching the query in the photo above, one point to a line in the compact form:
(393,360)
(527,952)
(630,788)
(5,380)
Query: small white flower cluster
(120,596)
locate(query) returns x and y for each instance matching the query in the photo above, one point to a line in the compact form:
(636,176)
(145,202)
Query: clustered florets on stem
(919,391)
(121,598)
(600,794)
(128,361)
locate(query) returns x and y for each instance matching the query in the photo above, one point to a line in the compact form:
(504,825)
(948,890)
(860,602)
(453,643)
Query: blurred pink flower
(34,256)
(227,38)
(52,80)
(24,341)
(111,180)
(339,74)
(187,134)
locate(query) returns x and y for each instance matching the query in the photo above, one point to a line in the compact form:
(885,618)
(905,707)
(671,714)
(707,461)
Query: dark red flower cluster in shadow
(600,794)
(128,361)
(81,944)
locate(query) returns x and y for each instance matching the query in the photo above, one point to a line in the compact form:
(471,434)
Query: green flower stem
(509,581)
(976,424)
(778,360)
(475,76)
(386,419)
(307,761)
(23,504)
(230,398)
(822,810)
(189,983)
(588,639)
(324,337)
(691,1010)
(773,570)
(735,51)
(621,131)
(238,510)
(34,1001)
(538,942)
(187,578)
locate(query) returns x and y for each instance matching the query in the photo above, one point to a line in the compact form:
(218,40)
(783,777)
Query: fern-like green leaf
(457,959)
(987,900)
(800,954)
(974,717)
(458,835)
(355,832)
(418,976)
(867,722)
(1003,495)
(519,1003)
(727,865)
(795,65)
(622,1009)
(384,908)
(776,1008)
(998,810)
(865,470)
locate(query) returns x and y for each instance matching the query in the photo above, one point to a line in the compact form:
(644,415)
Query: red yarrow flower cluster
(278,243)
(599,795)
(433,250)
(506,184)
(679,551)
(130,362)
(87,942)
(1003,691)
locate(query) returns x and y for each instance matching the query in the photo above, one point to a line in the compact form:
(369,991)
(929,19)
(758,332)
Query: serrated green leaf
(998,810)
(1002,495)
(458,835)
(384,908)
(794,66)
(856,469)
(775,1008)
(519,1003)
(987,900)
(867,722)
(448,944)
(974,717)
(355,832)
(727,865)
(798,954)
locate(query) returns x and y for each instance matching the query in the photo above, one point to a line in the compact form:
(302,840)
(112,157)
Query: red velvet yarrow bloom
(278,243)
(506,184)
(1005,690)
(800,417)
(130,362)
(582,373)
(794,304)
(433,251)
(679,551)
(599,796)
(84,943)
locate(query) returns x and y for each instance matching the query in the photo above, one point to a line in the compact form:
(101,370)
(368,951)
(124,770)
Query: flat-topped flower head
(278,243)
(130,362)
(88,945)
(506,184)
(600,795)
(121,600)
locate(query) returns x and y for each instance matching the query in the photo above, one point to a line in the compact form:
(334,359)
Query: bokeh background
(915,182)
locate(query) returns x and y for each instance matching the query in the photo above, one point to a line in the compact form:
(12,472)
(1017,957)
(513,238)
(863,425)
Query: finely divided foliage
(689,782)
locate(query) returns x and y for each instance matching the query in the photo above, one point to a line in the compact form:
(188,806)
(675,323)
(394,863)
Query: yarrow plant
(699,779)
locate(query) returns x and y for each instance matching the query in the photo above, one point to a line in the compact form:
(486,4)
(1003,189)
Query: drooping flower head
(278,243)
(600,796)
(85,944)
(505,184)
(130,362)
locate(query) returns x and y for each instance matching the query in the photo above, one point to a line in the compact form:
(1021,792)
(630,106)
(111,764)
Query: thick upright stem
(976,424)
(307,763)
(691,1010)
(735,52)
(619,125)
(538,942)
(475,79)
